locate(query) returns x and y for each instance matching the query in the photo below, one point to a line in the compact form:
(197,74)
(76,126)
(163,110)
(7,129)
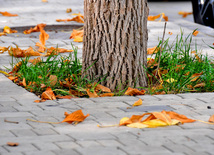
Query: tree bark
(115,42)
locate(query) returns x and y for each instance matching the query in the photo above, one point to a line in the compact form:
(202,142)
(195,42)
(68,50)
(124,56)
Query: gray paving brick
(39,153)
(66,152)
(21,148)
(179,148)
(8,109)
(67,145)
(12,153)
(15,114)
(23,132)
(88,143)
(101,150)
(110,143)
(46,146)
(44,131)
(27,108)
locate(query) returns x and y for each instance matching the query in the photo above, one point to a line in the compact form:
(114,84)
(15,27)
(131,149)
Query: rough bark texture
(115,40)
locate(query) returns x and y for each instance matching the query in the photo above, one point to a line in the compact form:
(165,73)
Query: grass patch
(181,70)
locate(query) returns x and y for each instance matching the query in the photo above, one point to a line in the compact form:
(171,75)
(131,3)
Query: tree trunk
(115,42)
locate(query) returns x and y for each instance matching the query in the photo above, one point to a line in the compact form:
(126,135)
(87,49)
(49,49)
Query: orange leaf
(78,18)
(211,119)
(195,76)
(64,97)
(170,33)
(195,33)
(12,144)
(107,94)
(76,116)
(39,101)
(53,80)
(24,82)
(199,85)
(3,49)
(132,92)
(37,28)
(102,88)
(17,67)
(48,94)
(138,103)
(43,37)
(181,118)
(8,30)
(76,33)
(78,39)
(35,60)
(163,117)
(8,14)
(68,10)
(153,18)
(184,14)
(152,50)
(2,34)
(90,94)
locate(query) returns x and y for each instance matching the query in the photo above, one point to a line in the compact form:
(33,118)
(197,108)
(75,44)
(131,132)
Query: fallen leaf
(211,119)
(102,88)
(170,33)
(195,76)
(78,39)
(2,34)
(48,94)
(138,125)
(37,28)
(159,123)
(35,60)
(76,33)
(53,80)
(24,82)
(17,67)
(39,101)
(195,33)
(107,95)
(8,30)
(76,116)
(162,15)
(181,118)
(68,10)
(137,103)
(17,52)
(91,94)
(12,144)
(3,49)
(153,50)
(45,1)
(132,92)
(78,19)
(8,14)
(64,97)
(184,14)
(200,85)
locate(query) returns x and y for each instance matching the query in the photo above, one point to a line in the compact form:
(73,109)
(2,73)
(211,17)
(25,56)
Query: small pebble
(209,107)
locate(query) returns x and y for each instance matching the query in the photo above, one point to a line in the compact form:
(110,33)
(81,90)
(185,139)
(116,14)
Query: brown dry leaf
(48,94)
(181,118)
(8,14)
(132,92)
(8,30)
(76,93)
(35,60)
(53,80)
(64,97)
(24,82)
(107,95)
(138,103)
(39,101)
(78,19)
(102,88)
(76,33)
(90,94)
(184,14)
(153,50)
(37,28)
(195,33)
(12,78)
(12,144)
(17,52)
(163,117)
(76,116)
(211,119)
(200,85)
(195,76)
(17,67)
(68,10)
(3,49)
(2,34)
(42,38)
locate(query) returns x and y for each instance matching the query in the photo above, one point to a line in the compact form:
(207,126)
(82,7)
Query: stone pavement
(16,104)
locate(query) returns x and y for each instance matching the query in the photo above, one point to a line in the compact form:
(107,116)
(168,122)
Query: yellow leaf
(123,120)
(78,39)
(137,125)
(8,30)
(138,103)
(162,116)
(171,80)
(159,123)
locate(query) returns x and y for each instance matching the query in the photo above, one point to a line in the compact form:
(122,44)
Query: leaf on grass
(195,33)
(17,52)
(153,50)
(132,92)
(53,80)
(8,14)
(211,119)
(64,97)
(102,88)
(12,144)
(107,95)
(17,67)
(8,30)
(48,94)
(37,28)
(76,116)
(35,60)
(200,85)
(184,14)
(91,94)
(195,76)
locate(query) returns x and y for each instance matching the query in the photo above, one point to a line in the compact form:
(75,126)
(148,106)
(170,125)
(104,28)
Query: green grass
(175,75)
(180,65)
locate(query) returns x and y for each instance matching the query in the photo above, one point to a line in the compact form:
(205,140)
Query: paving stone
(15,114)
(66,152)
(147,108)
(88,143)
(23,132)
(67,145)
(44,131)
(110,143)
(46,146)
(179,148)
(21,148)
(39,153)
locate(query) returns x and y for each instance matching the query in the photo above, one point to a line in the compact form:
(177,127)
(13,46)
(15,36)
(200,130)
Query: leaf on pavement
(195,32)
(48,94)
(77,35)
(42,38)
(12,144)
(17,52)
(132,92)
(181,118)
(161,16)
(78,18)
(8,30)
(76,116)
(37,28)
(8,14)
(184,14)
(137,103)
(106,95)
(211,119)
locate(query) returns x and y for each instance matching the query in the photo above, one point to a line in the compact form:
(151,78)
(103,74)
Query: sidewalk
(16,104)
